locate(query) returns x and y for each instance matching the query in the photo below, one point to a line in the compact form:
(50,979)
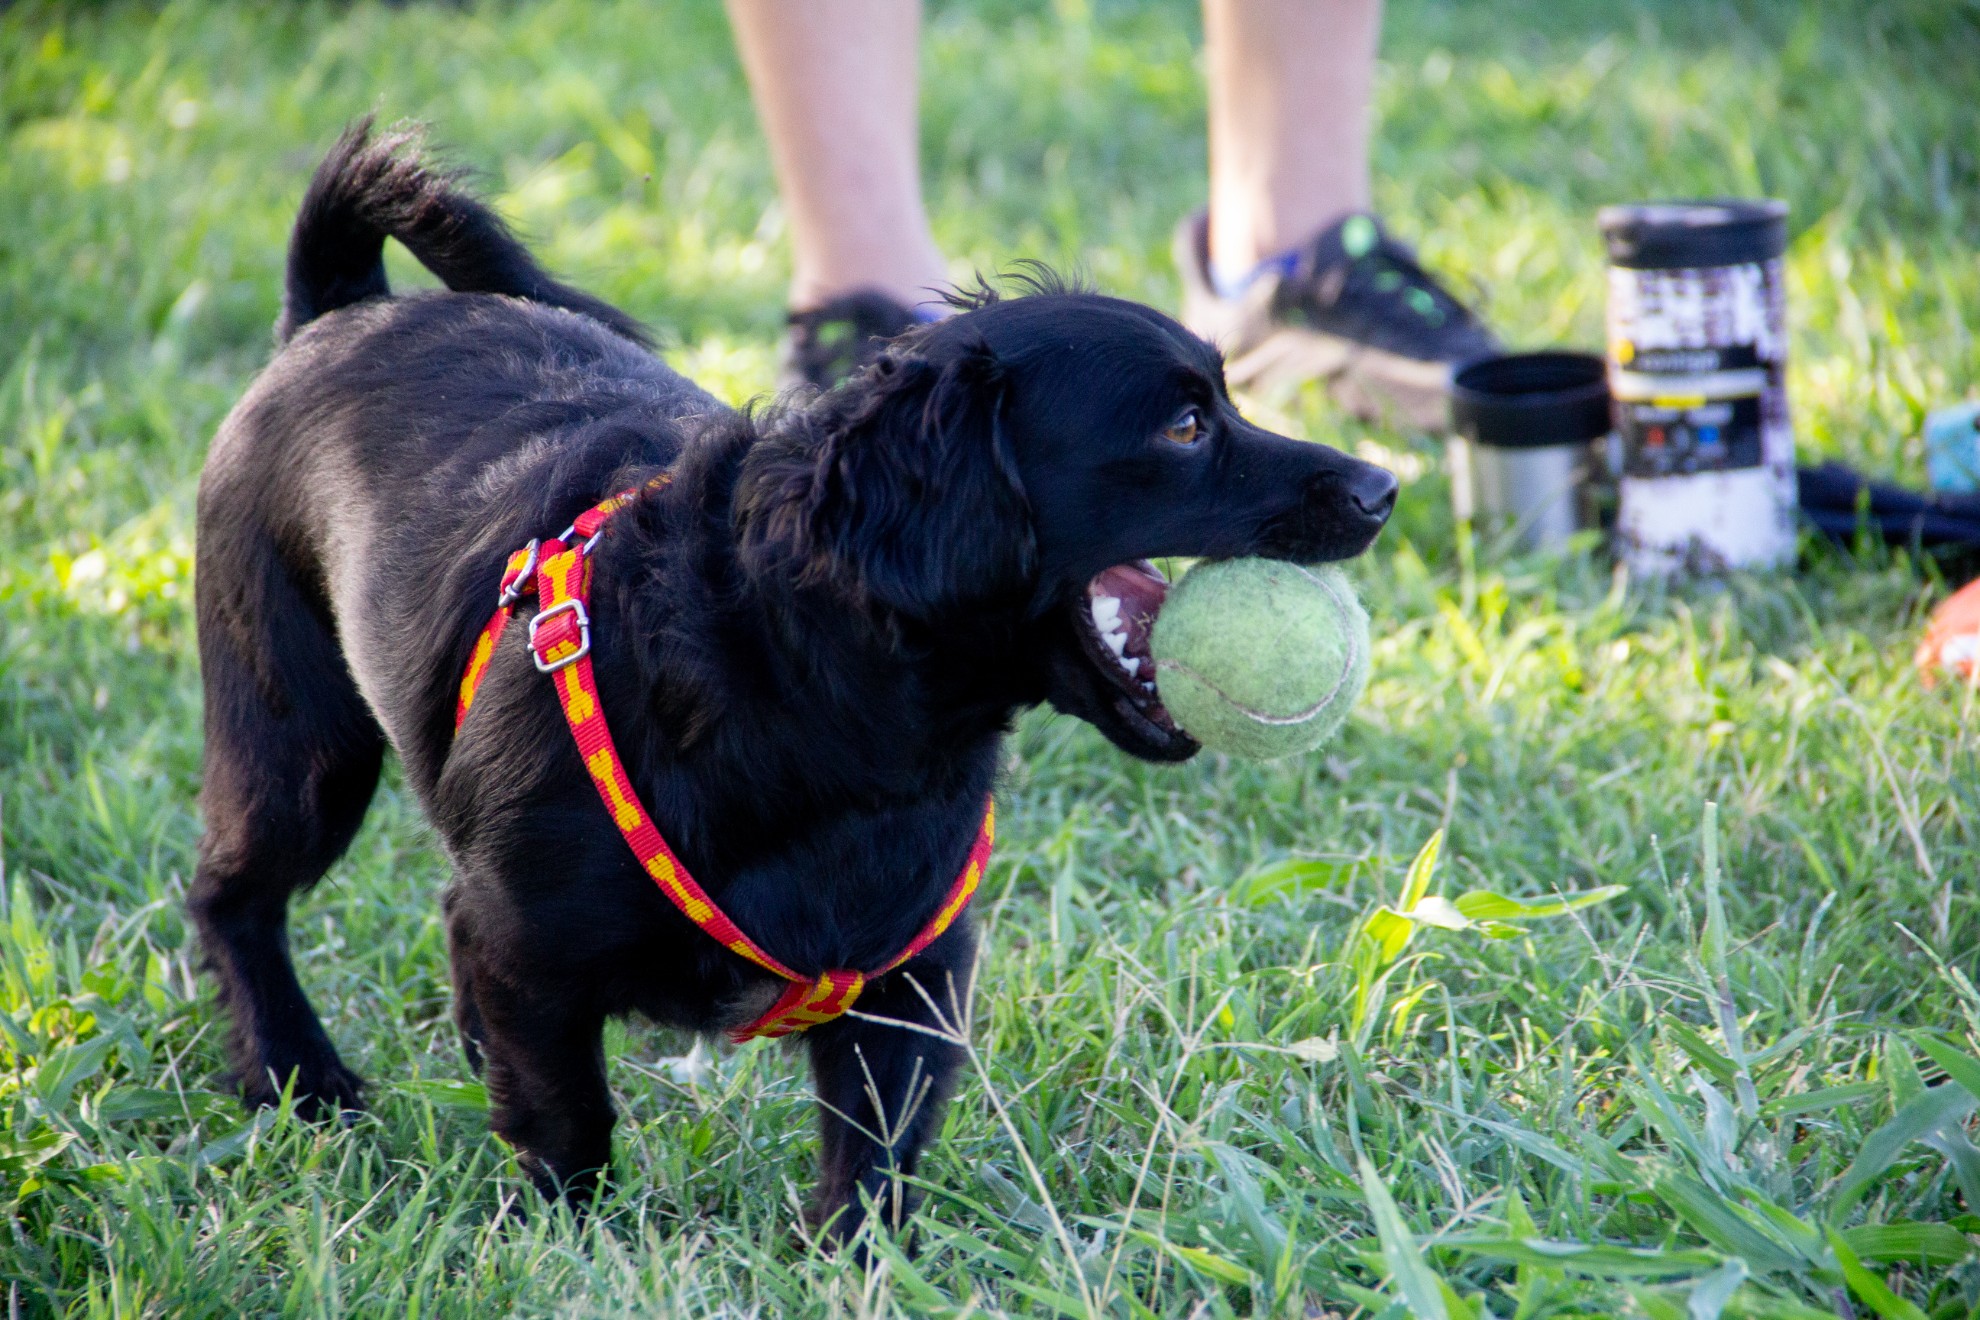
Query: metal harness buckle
(583,620)
(513,592)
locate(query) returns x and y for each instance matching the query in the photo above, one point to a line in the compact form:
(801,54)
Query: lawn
(1211,1075)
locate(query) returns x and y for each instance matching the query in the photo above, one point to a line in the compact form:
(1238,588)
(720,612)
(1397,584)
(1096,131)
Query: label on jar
(1697,362)
(1673,425)
(1716,318)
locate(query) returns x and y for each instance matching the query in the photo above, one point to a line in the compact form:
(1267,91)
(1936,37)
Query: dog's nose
(1373,490)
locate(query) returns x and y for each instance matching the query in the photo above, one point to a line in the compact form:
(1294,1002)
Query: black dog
(809,645)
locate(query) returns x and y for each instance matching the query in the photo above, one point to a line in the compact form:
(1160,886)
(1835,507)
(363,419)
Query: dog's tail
(366,191)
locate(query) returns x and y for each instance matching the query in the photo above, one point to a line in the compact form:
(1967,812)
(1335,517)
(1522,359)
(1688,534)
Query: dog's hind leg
(292,758)
(881,1087)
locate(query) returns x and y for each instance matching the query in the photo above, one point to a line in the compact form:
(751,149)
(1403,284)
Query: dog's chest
(747,1004)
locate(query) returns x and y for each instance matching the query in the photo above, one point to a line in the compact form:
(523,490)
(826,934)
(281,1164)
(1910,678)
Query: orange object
(560,644)
(1951,644)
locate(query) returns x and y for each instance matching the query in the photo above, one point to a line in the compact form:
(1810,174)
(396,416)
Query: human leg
(835,85)
(1291,82)
(1288,270)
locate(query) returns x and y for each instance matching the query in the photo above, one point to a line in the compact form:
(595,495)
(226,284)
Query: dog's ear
(901,487)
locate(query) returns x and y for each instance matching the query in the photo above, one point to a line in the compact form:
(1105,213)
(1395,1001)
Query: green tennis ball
(1260,658)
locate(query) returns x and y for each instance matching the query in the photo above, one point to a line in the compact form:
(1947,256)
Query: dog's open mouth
(1118,616)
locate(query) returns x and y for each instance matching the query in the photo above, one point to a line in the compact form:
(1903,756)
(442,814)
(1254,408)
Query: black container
(1717,231)
(1532,444)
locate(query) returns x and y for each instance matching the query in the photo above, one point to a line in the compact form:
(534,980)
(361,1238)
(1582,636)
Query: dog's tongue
(1141,589)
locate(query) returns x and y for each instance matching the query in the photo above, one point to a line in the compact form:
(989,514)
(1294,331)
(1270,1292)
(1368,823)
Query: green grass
(1210,1077)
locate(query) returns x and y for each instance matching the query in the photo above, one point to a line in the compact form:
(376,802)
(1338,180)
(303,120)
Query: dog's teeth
(1132,664)
(1106,610)
(1117,641)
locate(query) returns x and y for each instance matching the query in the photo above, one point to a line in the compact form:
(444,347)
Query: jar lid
(1716,231)
(1527,400)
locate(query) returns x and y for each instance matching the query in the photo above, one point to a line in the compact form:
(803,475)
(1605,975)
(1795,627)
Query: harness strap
(560,644)
(516,577)
(519,580)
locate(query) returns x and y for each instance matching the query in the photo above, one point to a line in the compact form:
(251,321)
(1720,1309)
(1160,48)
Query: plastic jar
(1697,366)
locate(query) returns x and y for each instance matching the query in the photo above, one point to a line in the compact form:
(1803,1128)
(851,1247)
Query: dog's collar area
(558,572)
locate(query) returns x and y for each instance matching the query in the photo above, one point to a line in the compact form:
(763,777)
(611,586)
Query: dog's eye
(1185,430)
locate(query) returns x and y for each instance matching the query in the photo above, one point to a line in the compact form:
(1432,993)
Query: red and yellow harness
(558,573)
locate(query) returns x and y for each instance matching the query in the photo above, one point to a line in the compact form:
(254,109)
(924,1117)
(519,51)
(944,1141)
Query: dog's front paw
(838,1221)
(318,1088)
(577,1188)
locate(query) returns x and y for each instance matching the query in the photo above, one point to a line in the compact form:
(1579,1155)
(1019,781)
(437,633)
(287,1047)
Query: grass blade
(1720,1221)
(1710,1294)
(1882,1148)
(1960,1067)
(1417,883)
(1598,1259)
(1421,1289)
(1910,1243)
(1819,1101)
(1484,905)
(1872,1291)
(1712,954)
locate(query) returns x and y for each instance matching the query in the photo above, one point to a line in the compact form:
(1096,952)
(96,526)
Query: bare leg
(1290,85)
(835,85)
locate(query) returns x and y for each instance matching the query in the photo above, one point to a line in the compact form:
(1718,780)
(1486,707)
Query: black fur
(365,192)
(810,645)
